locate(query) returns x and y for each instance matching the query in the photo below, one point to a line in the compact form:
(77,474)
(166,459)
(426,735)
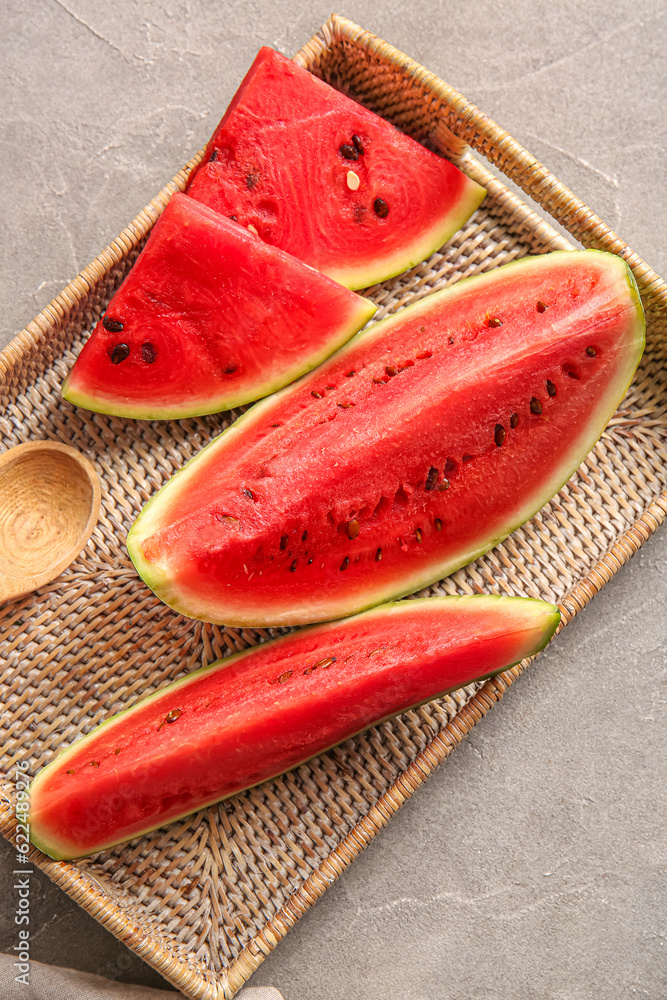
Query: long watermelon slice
(421,444)
(322,177)
(208,318)
(252,716)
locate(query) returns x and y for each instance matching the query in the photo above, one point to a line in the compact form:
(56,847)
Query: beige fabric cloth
(48,982)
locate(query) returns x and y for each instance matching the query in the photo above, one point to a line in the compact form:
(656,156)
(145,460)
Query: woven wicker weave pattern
(204,900)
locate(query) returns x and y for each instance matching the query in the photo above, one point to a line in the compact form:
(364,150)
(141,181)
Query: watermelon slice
(421,444)
(252,716)
(208,318)
(322,177)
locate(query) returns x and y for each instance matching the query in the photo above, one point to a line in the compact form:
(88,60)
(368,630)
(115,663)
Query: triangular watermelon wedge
(208,318)
(324,178)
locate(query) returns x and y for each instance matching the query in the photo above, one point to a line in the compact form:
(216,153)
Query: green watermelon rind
(59,851)
(364,311)
(147,522)
(409,255)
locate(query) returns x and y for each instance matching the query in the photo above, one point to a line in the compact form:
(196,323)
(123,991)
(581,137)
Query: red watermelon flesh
(418,446)
(252,716)
(327,180)
(208,318)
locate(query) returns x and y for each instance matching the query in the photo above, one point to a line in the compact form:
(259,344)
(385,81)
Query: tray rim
(473,128)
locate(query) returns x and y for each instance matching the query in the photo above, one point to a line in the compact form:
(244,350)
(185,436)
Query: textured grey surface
(532,864)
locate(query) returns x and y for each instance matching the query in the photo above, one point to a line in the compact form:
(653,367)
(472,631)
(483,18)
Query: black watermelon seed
(285,677)
(352,529)
(572,374)
(418,535)
(94,763)
(112,325)
(213,156)
(591,352)
(230,371)
(499,435)
(345,563)
(283,542)
(248,493)
(378,555)
(391,371)
(252,179)
(431,479)
(494,321)
(350,374)
(380,381)
(358,144)
(551,388)
(173,715)
(444,485)
(234,218)
(304,536)
(148,352)
(542,307)
(467,458)
(535,406)
(514,420)
(309,561)
(381,208)
(450,466)
(348,151)
(438,524)
(119,353)
(117,750)
(317,395)
(345,406)
(292,568)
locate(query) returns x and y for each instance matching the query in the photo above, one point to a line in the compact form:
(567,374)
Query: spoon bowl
(49,505)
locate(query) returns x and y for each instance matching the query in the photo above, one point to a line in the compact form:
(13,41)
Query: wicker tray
(204,900)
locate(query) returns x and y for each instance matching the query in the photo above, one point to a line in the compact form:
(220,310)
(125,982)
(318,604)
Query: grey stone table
(532,864)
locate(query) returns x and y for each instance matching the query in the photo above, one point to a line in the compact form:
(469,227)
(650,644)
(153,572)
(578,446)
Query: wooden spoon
(49,505)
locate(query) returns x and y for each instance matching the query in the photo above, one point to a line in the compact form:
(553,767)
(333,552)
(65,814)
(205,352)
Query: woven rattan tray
(204,900)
